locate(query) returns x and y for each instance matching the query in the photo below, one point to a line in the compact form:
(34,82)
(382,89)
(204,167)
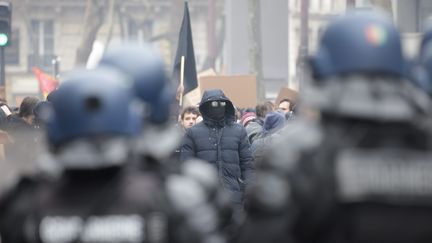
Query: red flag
(47,83)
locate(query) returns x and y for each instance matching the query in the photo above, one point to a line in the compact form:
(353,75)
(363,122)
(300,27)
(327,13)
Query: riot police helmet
(359,42)
(146,68)
(92,103)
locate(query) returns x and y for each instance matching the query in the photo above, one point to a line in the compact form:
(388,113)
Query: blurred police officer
(421,66)
(362,171)
(88,131)
(207,218)
(98,197)
(146,69)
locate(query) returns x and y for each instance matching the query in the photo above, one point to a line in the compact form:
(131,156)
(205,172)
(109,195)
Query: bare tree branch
(24,15)
(176,13)
(94,18)
(111,15)
(220,39)
(255,61)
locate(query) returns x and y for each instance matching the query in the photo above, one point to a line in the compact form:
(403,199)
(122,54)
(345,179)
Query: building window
(41,51)
(297,4)
(321,5)
(414,16)
(12,50)
(140,31)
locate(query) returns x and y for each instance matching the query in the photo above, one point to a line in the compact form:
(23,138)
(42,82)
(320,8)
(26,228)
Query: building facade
(320,13)
(44,30)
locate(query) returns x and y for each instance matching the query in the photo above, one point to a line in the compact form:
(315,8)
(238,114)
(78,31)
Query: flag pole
(182,62)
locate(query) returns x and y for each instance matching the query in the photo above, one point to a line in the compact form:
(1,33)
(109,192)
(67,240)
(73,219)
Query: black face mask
(216,113)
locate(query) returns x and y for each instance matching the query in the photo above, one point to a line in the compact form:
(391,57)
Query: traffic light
(5,23)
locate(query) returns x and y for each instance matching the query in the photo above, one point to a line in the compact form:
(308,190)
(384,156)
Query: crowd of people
(347,162)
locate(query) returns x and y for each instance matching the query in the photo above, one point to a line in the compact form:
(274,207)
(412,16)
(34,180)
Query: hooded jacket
(273,123)
(274,120)
(223,143)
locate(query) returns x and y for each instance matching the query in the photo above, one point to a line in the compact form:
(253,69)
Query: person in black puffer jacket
(222,142)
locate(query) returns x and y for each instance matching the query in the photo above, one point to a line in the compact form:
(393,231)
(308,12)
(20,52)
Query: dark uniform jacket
(362,174)
(106,205)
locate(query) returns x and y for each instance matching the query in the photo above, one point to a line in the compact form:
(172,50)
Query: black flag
(185,48)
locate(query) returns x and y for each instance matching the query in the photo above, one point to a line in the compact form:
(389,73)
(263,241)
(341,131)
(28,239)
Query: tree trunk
(304,42)
(93,20)
(121,23)
(255,61)
(33,40)
(111,16)
(216,38)
(176,14)
(211,35)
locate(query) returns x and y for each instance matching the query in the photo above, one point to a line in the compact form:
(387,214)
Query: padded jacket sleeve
(246,161)
(187,150)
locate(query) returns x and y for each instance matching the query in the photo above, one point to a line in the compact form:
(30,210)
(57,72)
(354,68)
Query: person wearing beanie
(246,118)
(255,127)
(273,123)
